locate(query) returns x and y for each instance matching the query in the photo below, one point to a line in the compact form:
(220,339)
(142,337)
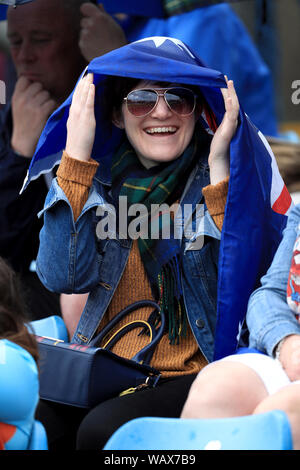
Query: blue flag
(258,201)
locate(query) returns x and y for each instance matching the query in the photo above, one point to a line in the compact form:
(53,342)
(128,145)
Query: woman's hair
(12,311)
(117,88)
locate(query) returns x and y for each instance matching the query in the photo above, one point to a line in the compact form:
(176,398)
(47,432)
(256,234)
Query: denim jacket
(269,318)
(72,259)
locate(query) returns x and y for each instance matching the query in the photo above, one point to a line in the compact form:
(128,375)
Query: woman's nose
(161,110)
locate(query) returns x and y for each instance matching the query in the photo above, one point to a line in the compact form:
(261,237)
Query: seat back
(266,431)
(38,439)
(52,327)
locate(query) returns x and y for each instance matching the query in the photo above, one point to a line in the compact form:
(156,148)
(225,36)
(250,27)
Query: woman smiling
(165,157)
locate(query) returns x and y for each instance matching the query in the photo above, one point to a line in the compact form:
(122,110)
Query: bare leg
(224,389)
(288,400)
(72,306)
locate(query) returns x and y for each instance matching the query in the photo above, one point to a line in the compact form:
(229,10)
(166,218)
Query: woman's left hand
(219,149)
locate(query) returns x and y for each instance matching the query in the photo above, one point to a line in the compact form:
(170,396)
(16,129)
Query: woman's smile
(163,131)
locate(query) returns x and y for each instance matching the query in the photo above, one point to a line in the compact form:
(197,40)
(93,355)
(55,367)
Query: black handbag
(86,375)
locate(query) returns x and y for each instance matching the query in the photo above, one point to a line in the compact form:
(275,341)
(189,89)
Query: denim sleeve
(68,259)
(269,317)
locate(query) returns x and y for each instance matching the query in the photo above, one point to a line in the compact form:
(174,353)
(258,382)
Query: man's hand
(100,33)
(81,123)
(31,108)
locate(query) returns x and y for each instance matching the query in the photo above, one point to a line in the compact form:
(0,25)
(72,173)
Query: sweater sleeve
(215,198)
(75,178)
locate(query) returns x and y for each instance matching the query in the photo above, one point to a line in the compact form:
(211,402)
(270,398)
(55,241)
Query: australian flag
(258,201)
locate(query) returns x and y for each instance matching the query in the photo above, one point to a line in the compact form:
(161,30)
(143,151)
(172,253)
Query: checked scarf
(161,256)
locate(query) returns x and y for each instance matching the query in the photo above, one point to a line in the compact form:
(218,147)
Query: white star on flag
(159,40)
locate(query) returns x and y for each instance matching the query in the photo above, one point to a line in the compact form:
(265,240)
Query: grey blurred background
(274,26)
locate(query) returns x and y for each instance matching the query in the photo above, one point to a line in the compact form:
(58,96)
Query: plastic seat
(52,327)
(38,439)
(267,431)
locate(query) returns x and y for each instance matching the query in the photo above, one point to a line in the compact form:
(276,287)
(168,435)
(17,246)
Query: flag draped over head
(257,201)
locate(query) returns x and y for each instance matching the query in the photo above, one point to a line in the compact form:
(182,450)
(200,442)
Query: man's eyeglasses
(180,100)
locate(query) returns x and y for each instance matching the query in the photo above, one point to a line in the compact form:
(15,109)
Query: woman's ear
(117,119)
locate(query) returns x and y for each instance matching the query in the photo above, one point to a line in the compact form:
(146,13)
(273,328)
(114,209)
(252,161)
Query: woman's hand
(290,356)
(219,149)
(81,123)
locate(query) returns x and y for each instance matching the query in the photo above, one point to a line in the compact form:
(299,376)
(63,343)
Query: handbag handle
(124,329)
(145,354)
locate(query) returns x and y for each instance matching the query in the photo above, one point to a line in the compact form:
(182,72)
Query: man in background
(44,44)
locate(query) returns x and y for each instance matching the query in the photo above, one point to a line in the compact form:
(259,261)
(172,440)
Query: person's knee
(286,399)
(223,389)
(205,394)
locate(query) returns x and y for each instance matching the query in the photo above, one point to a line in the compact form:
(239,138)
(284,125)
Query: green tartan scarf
(161,256)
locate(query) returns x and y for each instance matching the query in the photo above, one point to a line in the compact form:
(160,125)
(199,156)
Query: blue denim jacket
(72,259)
(269,317)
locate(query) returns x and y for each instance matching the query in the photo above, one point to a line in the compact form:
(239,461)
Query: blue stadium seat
(38,439)
(267,431)
(53,327)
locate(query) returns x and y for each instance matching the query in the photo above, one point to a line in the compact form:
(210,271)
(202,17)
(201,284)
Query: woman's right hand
(81,124)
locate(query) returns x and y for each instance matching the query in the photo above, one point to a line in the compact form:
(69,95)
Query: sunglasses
(180,100)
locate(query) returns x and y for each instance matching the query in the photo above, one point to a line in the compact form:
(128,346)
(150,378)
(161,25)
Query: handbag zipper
(135,389)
